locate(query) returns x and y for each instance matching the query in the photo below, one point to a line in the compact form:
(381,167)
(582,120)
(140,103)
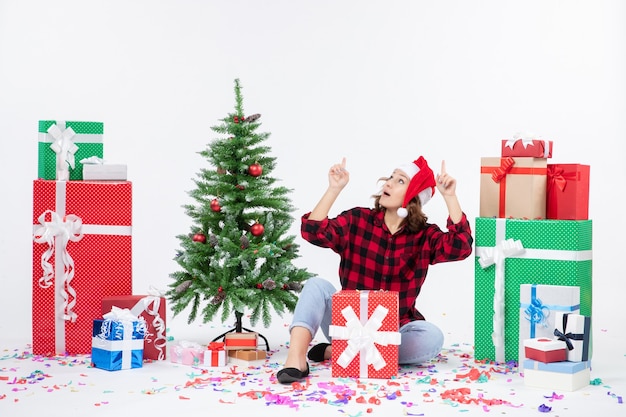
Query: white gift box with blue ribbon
(539,305)
(117,341)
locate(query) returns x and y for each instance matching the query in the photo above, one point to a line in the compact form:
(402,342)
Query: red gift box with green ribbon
(568,192)
(365,334)
(82,252)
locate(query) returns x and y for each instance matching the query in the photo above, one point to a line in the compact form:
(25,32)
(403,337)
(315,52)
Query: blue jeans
(420,340)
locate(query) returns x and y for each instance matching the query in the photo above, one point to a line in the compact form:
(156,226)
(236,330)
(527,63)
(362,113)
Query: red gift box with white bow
(82,252)
(365,334)
(525,146)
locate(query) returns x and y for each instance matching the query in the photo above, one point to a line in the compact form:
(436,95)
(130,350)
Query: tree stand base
(239,329)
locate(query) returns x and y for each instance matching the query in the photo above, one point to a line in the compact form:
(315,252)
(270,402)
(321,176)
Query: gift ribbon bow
(505,166)
(524,138)
(63,145)
(151,305)
(496,256)
(120,314)
(568,337)
(536,313)
(363,338)
(216,346)
(558,177)
(58,232)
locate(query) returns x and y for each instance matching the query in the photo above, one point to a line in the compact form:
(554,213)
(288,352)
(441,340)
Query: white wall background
(377,82)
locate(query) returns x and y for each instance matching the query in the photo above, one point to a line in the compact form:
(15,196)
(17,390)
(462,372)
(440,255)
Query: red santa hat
(422,183)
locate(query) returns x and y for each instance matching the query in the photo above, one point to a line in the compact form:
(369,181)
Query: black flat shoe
(316,354)
(289,375)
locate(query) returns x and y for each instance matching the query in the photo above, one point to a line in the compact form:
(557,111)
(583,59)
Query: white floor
(66,386)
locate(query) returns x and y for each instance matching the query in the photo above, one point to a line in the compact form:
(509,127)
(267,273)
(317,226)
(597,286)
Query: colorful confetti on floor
(452,383)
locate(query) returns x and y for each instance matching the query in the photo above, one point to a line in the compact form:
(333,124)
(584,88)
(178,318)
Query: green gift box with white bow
(512,252)
(63,144)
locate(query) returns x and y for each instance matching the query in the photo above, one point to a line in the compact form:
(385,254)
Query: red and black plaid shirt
(374,259)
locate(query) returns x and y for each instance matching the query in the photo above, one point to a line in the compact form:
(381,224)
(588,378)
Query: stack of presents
(235,345)
(82,298)
(533,265)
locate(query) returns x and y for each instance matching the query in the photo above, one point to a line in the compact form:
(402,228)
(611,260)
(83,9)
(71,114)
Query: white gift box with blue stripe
(539,305)
(117,341)
(557,376)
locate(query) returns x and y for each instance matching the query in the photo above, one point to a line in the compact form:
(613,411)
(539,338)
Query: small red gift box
(152,309)
(364,332)
(243,340)
(82,252)
(568,192)
(513,187)
(545,350)
(534,148)
(215,355)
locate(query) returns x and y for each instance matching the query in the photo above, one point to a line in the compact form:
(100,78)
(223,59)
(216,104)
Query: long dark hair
(416,219)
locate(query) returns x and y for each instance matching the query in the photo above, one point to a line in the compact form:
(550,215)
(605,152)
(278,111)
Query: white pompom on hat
(422,183)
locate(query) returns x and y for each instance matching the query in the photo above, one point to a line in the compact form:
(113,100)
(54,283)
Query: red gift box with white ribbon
(545,350)
(527,146)
(151,308)
(82,252)
(365,334)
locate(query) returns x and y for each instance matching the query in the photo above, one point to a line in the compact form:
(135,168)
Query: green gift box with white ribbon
(512,252)
(63,144)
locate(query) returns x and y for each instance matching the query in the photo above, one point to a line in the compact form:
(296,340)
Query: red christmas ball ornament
(255,169)
(257,229)
(199,237)
(259,286)
(215,205)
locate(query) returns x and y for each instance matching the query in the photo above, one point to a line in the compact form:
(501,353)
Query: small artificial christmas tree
(238,256)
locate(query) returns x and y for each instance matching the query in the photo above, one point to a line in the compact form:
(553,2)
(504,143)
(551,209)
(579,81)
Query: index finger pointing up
(443,167)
